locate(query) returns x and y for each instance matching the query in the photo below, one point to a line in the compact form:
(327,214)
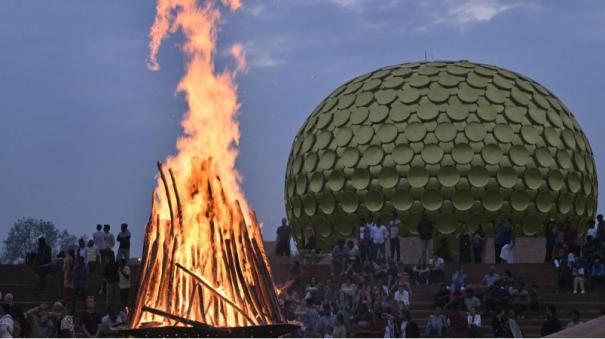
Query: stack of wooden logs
(204,264)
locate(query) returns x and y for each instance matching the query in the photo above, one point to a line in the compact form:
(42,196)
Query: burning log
(215,291)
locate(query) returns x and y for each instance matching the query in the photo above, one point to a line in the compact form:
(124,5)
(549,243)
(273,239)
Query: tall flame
(210,126)
(203,256)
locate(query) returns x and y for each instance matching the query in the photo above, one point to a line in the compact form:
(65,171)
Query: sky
(83,121)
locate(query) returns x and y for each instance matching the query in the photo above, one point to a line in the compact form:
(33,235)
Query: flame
(203,257)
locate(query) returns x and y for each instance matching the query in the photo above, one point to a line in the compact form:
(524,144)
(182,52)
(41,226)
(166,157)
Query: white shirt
(99,238)
(6,326)
(394,228)
(379,234)
(83,252)
(474,320)
(402,297)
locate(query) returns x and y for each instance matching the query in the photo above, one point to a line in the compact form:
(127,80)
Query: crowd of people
(370,290)
(579,261)
(76,265)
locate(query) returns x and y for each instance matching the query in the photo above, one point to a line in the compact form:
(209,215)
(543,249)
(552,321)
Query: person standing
(82,251)
(93,256)
(549,239)
(477,242)
(124,240)
(502,237)
(394,226)
(43,261)
(425,233)
(112,280)
(80,278)
(600,228)
(379,237)
(365,240)
(90,320)
(110,241)
(124,282)
(464,246)
(68,275)
(99,239)
(282,243)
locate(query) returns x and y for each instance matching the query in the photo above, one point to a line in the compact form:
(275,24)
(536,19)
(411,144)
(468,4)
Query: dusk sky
(83,120)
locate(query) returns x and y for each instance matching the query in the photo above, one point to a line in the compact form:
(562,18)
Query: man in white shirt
(110,240)
(394,226)
(99,239)
(379,236)
(402,298)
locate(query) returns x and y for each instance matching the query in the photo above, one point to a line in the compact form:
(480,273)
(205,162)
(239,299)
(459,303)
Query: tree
(66,241)
(23,238)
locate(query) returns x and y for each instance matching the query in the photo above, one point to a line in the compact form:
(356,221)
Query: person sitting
(115,319)
(457,322)
(520,299)
(471,301)
(90,320)
(353,261)
(508,279)
(597,274)
(459,295)
(437,267)
(7,324)
(349,290)
(421,273)
(442,297)
(339,257)
(312,290)
(552,323)
(436,325)
(497,297)
(578,278)
(513,326)
(402,298)
(458,279)
(575,319)
(408,328)
(534,298)
(339,330)
(592,248)
(490,278)
(474,323)
(500,326)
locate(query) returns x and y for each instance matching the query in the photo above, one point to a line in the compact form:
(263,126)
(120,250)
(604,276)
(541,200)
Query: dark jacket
(425,229)
(411,330)
(550,326)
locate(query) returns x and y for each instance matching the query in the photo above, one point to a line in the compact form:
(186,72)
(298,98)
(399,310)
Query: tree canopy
(23,238)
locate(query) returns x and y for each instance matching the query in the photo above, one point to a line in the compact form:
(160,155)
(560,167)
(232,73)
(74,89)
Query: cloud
(265,53)
(478,10)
